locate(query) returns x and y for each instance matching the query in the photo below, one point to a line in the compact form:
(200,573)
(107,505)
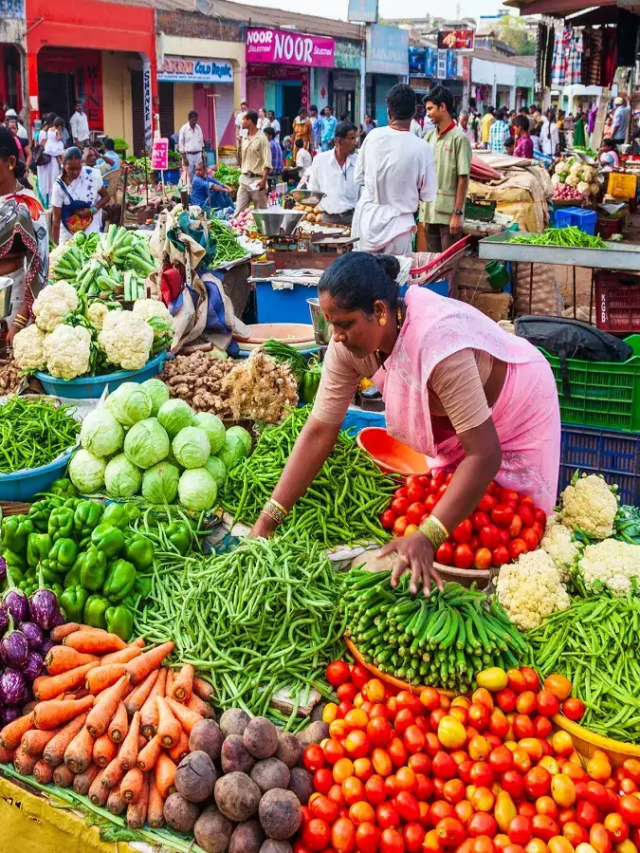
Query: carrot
(12,733)
(131,785)
(119,725)
(139,642)
(178,752)
(137,811)
(98,794)
(106,705)
(201,707)
(116,803)
(62,776)
(61,659)
(54,751)
(58,633)
(168,727)
(164,771)
(155,809)
(148,756)
(104,676)
(113,774)
(56,712)
(185,717)
(6,755)
(104,751)
(149,711)
(183,684)
(168,687)
(138,696)
(203,689)
(123,656)
(42,772)
(34,741)
(77,756)
(139,668)
(24,763)
(52,686)
(83,781)
(128,754)
(94,642)
(29,707)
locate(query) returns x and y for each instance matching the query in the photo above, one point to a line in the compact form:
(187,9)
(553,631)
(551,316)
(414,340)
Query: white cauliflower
(126,340)
(589,505)
(531,589)
(555,180)
(53,305)
(68,351)
(561,168)
(27,348)
(575,169)
(583,187)
(559,545)
(572,180)
(589,174)
(147,308)
(614,564)
(96,312)
(594,188)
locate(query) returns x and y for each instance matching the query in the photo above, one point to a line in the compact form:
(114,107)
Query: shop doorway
(288,102)
(56,94)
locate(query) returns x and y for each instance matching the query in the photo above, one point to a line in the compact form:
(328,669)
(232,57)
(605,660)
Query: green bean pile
(568,238)
(595,644)
(33,433)
(342,505)
(227,247)
(443,640)
(261,618)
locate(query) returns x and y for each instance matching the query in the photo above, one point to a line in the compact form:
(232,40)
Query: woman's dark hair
(72,153)
(609,143)
(49,118)
(357,280)
(108,143)
(58,122)
(9,148)
(302,111)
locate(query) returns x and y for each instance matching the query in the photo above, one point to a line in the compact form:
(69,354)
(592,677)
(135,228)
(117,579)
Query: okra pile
(443,640)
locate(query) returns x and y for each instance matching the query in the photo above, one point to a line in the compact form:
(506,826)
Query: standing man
(463,121)
(315,126)
(256,165)
(621,117)
(79,126)
(524,144)
(485,125)
(328,124)
(333,172)
(396,171)
(452,154)
(244,106)
(498,133)
(191,144)
(275,124)
(277,162)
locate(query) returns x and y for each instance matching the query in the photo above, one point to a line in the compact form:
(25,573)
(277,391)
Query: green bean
(34,432)
(570,238)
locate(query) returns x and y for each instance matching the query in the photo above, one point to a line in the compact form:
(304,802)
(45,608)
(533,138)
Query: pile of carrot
(109,721)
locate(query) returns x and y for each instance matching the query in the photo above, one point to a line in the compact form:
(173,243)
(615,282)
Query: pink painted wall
(225,116)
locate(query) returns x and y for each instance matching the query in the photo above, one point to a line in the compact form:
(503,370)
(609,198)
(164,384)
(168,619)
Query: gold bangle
(282,509)
(272,516)
(22,318)
(440,525)
(434,531)
(272,509)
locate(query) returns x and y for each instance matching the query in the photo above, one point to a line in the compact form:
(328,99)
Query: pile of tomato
(486,774)
(503,526)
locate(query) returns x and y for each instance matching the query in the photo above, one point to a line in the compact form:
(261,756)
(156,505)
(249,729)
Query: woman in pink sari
(456,388)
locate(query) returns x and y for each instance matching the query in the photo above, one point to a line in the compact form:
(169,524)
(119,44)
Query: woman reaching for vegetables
(76,198)
(456,388)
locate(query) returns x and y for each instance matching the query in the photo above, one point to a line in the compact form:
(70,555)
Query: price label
(160,154)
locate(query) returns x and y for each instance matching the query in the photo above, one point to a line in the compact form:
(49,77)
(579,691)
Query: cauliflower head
(126,340)
(614,564)
(53,305)
(594,188)
(55,256)
(68,351)
(28,349)
(559,545)
(589,174)
(575,169)
(572,180)
(583,187)
(589,504)
(555,180)
(531,590)
(96,312)
(562,168)
(147,308)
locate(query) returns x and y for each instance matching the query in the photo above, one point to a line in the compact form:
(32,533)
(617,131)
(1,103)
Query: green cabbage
(129,403)
(191,447)
(86,472)
(101,433)
(197,489)
(175,415)
(160,483)
(146,443)
(158,392)
(213,427)
(122,478)
(234,450)
(215,466)
(242,433)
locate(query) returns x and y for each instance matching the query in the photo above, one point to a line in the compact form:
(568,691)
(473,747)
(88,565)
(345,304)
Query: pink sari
(526,414)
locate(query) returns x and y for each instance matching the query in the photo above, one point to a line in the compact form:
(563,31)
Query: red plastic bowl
(389,454)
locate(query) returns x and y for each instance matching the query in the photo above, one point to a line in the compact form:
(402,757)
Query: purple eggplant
(33,667)
(46,647)
(45,609)
(3,569)
(12,686)
(14,648)
(33,634)
(9,714)
(4,621)
(16,603)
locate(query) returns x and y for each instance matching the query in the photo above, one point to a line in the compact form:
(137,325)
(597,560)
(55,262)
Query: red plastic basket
(617,302)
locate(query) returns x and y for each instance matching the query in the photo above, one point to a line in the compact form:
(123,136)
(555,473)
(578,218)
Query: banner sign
(160,154)
(267,45)
(182,69)
(456,39)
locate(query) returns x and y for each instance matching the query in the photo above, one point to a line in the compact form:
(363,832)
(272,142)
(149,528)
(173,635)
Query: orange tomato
(599,769)
(521,760)
(575,833)
(356,719)
(374,690)
(526,702)
(546,805)
(532,746)
(559,844)
(559,685)
(431,843)
(479,747)
(483,799)
(357,743)
(461,714)
(483,844)
(381,762)
(536,845)
(563,790)
(549,763)
(481,696)
(362,812)
(363,768)
(343,835)
(464,810)
(397,753)
(430,698)
(599,838)
(405,779)
(329,712)
(342,769)
(617,827)
(453,791)
(562,743)
(336,796)
(338,730)
(353,790)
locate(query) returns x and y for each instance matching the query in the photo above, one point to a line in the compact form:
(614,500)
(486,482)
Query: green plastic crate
(603,394)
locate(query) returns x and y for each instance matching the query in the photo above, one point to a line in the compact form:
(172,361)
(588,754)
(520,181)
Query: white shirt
(549,137)
(86,187)
(338,182)
(263,122)
(397,172)
(190,141)
(303,161)
(79,126)
(275,124)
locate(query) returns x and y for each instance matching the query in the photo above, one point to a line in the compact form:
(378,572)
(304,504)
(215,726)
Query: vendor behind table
(333,172)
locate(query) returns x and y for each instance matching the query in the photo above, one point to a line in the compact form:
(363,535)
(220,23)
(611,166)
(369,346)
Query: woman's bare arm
(55,224)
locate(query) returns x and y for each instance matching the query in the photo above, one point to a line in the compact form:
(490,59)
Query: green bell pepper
(142,586)
(116,515)
(310,384)
(94,569)
(108,539)
(15,562)
(179,534)
(60,523)
(72,577)
(63,487)
(14,533)
(139,550)
(120,621)
(94,613)
(62,556)
(86,518)
(39,546)
(72,601)
(55,587)
(39,513)
(120,580)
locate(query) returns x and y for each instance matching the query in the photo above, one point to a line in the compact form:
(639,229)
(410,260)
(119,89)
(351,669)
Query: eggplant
(4,621)
(32,668)
(9,714)
(45,609)
(14,648)
(16,604)
(3,569)
(33,634)
(12,686)
(46,647)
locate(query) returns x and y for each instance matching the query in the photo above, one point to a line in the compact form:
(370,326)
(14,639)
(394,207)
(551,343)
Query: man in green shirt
(452,156)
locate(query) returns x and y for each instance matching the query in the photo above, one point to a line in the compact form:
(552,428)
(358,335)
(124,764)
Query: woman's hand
(13,331)
(415,555)
(263,528)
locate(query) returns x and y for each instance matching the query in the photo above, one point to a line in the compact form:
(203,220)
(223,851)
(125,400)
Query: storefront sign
(348,54)
(387,50)
(456,39)
(364,11)
(180,69)
(423,62)
(266,45)
(147,102)
(160,154)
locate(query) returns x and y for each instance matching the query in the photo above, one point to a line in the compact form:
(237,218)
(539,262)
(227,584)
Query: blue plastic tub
(24,485)
(440,287)
(358,419)
(585,220)
(284,306)
(91,387)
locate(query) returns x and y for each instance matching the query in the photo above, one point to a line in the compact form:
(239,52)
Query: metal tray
(619,256)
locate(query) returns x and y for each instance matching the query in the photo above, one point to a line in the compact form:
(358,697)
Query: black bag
(571,339)
(39,158)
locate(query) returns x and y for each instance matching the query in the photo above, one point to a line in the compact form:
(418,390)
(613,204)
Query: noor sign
(267,45)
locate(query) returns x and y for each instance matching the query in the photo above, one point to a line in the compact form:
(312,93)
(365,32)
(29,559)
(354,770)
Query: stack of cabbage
(141,442)
(580,176)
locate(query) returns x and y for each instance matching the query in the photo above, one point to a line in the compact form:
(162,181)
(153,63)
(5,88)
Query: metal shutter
(137,109)
(167,127)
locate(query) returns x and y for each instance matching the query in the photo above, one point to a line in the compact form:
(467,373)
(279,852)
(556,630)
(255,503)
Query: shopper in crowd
(509,146)
(77,198)
(608,155)
(452,154)
(562,136)
(48,167)
(275,124)
(485,125)
(369,123)
(207,193)
(499,133)
(420,124)
(302,129)
(91,157)
(621,119)
(79,126)
(111,156)
(524,111)
(255,165)
(523,143)
(22,130)
(536,115)
(463,122)
(191,144)
(397,172)
(328,124)
(535,139)
(303,162)
(24,149)
(244,106)
(53,148)
(277,161)
(579,135)
(549,135)
(333,172)
(263,121)
(315,127)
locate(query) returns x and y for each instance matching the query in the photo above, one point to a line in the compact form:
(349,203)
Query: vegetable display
(229,175)
(575,176)
(227,247)
(565,238)
(33,433)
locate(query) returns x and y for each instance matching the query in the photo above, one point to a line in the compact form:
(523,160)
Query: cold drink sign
(267,45)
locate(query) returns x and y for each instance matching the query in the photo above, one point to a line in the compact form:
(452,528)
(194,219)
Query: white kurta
(336,181)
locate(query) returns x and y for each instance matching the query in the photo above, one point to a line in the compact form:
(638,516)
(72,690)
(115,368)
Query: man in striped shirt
(499,133)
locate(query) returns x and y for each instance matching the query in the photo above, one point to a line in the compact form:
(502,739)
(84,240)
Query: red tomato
(487,503)
(501,515)
(400,493)
(400,525)
(414,740)
(444,554)
(360,676)
(500,556)
(515,527)
(482,775)
(480,520)
(462,533)
(573,708)
(547,704)
(323,780)
(520,830)
(531,678)
(400,506)
(523,726)
(537,782)
(516,681)
(587,813)
(501,759)
(430,502)
(440,810)
(343,835)
(504,537)
(450,832)
(574,833)
(617,827)
(367,838)
(629,808)
(379,731)
(374,790)
(444,767)
(513,783)
(482,558)
(525,511)
(526,702)
(413,836)
(489,536)
(543,727)
(387,815)
(462,557)
(474,543)
(387,519)
(404,719)
(482,823)
(544,827)
(407,805)
(347,692)
(538,529)
(337,673)
(540,516)
(516,547)
(506,700)
(313,758)
(415,493)
(529,538)
(391,841)
(415,512)
(316,835)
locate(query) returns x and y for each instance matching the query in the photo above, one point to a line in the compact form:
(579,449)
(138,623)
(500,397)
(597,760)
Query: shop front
(387,63)
(12,70)
(493,83)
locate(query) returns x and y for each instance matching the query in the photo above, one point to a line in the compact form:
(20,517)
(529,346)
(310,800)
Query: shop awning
(562,8)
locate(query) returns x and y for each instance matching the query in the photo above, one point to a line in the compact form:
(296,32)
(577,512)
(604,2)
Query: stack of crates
(585,220)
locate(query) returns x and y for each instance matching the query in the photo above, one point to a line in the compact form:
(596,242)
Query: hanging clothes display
(548,65)
(574,58)
(541,44)
(560,53)
(609,56)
